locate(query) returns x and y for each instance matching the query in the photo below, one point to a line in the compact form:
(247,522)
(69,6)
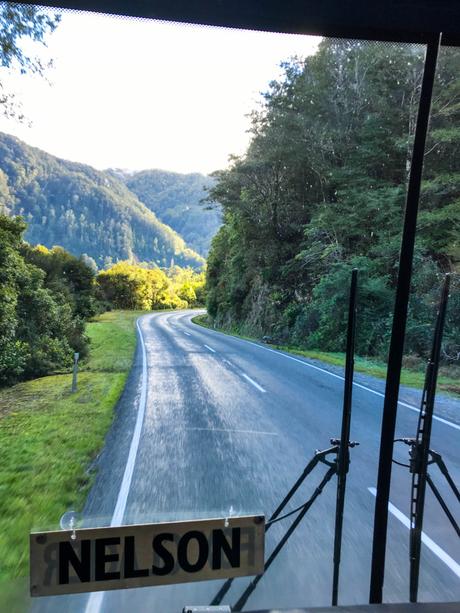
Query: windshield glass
(182,208)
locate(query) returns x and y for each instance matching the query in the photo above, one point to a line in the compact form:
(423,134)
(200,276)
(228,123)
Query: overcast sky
(138,94)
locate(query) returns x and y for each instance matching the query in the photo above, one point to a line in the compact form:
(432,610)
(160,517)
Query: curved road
(229,425)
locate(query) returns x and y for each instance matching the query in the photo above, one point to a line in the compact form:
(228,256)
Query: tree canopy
(131,286)
(19,21)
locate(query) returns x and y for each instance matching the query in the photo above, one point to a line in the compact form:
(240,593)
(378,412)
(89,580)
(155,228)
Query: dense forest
(84,210)
(176,201)
(321,189)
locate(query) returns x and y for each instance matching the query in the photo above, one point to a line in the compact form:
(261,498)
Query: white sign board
(145,555)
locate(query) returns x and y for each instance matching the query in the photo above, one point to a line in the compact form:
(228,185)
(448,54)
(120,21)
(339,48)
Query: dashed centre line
(252,382)
(247,377)
(432,546)
(331,374)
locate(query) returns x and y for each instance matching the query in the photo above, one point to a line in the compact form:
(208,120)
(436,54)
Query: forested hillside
(83,210)
(176,200)
(321,189)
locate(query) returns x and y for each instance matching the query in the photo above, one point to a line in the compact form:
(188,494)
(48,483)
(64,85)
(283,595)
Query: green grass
(49,437)
(448,380)
(112,341)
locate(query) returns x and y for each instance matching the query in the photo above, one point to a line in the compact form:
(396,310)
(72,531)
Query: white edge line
(252,382)
(187,333)
(290,357)
(210,348)
(120,507)
(436,549)
(95,599)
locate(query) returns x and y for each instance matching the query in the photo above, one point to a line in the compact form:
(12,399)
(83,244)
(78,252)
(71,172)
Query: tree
(66,275)
(139,286)
(321,189)
(13,352)
(19,21)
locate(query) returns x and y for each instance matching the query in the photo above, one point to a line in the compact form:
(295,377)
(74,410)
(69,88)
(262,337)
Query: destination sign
(145,555)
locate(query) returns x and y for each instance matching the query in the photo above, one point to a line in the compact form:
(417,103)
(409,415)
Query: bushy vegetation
(18,22)
(84,210)
(48,295)
(321,189)
(45,297)
(176,201)
(131,286)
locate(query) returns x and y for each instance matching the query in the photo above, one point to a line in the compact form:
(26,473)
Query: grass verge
(49,437)
(447,381)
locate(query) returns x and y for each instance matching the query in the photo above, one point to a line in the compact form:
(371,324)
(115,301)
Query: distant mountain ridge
(84,210)
(175,199)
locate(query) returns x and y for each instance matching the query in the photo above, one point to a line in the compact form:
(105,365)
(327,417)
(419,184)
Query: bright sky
(139,94)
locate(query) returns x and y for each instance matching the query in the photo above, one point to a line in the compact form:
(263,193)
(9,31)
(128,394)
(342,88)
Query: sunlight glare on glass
(136,94)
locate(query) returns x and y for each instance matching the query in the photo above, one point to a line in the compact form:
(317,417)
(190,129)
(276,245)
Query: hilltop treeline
(321,189)
(84,210)
(47,295)
(176,200)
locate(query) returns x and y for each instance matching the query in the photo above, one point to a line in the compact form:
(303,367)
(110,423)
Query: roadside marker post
(76,355)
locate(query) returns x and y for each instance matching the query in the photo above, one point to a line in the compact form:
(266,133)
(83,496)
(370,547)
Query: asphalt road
(230,424)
